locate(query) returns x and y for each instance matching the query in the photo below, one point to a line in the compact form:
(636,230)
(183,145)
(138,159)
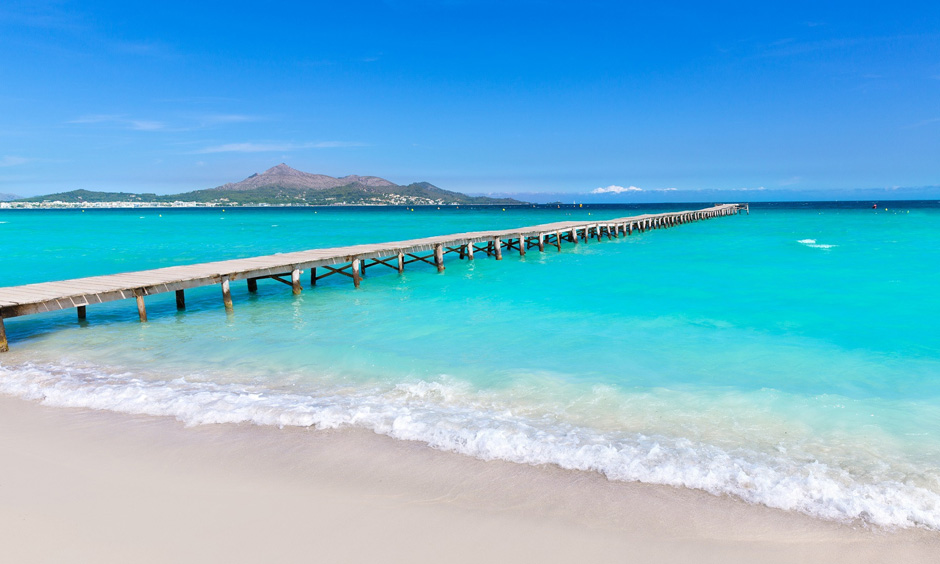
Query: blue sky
(475,96)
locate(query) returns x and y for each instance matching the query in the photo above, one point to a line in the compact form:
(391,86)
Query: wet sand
(87,486)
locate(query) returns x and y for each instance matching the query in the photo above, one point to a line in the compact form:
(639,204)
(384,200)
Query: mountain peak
(283,169)
(283,176)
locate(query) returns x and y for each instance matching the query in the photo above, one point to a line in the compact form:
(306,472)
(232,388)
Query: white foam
(812,243)
(448,416)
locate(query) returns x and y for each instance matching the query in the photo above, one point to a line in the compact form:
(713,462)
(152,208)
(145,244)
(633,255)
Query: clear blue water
(788,357)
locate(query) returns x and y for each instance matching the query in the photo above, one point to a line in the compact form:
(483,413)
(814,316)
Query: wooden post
(362,269)
(82,314)
(357,278)
(541,242)
(498,248)
(463,251)
(181,300)
(4,345)
(227,294)
(558,240)
(522,244)
(574,236)
(295,281)
(401,262)
(252,285)
(313,276)
(141,308)
(439,257)
(470,250)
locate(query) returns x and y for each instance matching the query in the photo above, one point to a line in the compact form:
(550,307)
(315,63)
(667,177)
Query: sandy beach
(88,486)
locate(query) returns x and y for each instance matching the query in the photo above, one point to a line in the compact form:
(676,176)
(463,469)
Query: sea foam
(812,243)
(448,416)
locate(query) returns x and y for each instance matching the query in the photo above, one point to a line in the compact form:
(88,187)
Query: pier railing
(351,261)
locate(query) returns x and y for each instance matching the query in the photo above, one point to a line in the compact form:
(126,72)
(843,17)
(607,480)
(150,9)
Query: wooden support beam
(281,280)
(295,281)
(141,307)
(558,240)
(401,262)
(331,270)
(313,276)
(469,251)
(541,242)
(227,294)
(498,248)
(357,277)
(385,262)
(181,299)
(521,246)
(82,314)
(463,251)
(416,258)
(439,257)
(4,345)
(252,285)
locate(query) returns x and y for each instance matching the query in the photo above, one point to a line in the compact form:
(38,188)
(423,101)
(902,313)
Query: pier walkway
(349,261)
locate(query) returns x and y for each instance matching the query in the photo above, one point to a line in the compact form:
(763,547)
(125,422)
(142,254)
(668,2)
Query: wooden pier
(350,261)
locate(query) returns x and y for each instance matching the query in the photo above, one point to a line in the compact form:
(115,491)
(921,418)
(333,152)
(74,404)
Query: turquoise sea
(789,357)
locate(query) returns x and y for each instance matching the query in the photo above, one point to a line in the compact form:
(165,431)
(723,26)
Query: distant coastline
(279,186)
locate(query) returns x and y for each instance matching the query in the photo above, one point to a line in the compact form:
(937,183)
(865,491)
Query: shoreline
(100,486)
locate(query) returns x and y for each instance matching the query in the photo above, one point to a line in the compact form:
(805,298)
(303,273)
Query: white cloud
(96,118)
(130,123)
(213,119)
(10,160)
(144,125)
(274,147)
(332,144)
(614,189)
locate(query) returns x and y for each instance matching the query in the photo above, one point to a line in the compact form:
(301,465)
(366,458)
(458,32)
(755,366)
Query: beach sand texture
(91,486)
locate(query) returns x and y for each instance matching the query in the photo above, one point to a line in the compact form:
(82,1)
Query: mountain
(283,185)
(8,197)
(92,196)
(284,176)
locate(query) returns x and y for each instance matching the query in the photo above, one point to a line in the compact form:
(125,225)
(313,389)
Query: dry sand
(85,486)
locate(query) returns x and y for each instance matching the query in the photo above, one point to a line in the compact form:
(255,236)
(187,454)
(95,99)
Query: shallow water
(787,357)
